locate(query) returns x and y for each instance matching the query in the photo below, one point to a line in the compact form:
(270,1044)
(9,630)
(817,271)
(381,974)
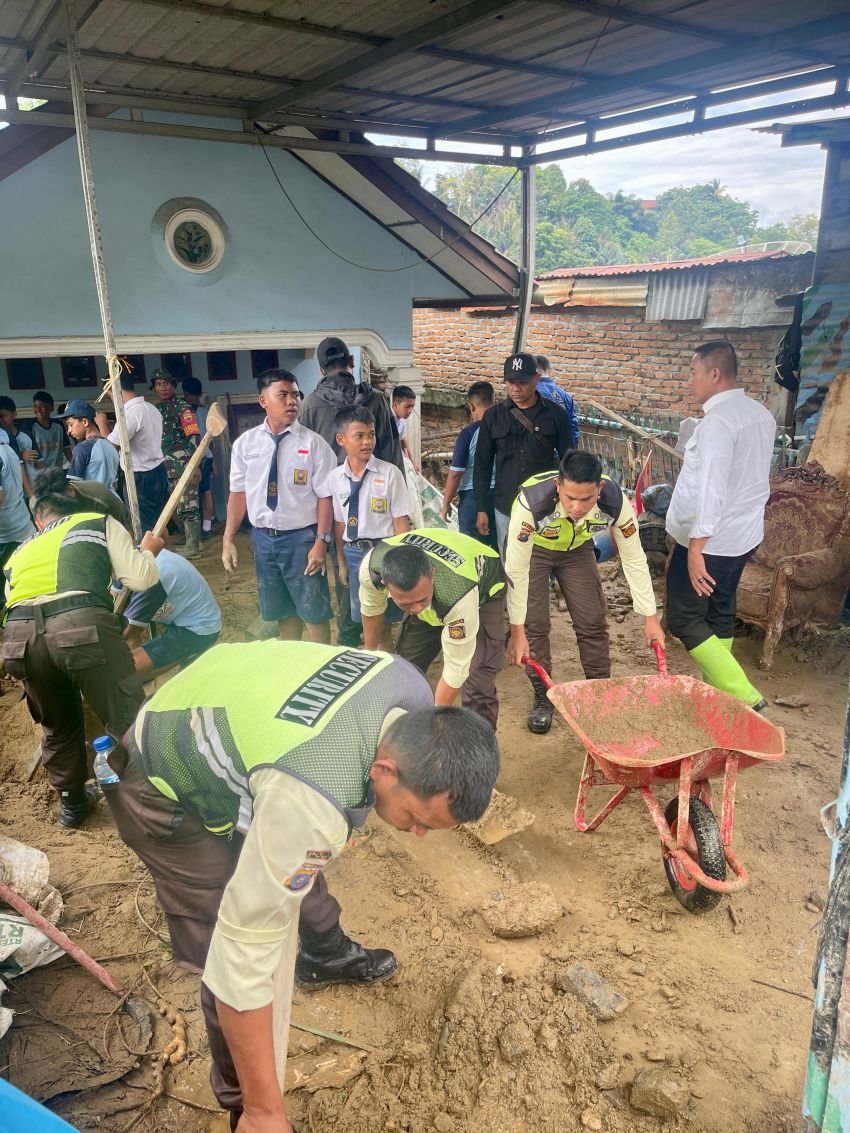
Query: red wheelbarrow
(640,731)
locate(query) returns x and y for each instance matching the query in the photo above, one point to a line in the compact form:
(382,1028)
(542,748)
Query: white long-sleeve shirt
(723,485)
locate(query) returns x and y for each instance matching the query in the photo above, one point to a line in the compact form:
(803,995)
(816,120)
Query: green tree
(700,217)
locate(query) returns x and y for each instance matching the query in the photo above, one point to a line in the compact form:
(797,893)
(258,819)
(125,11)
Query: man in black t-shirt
(521,436)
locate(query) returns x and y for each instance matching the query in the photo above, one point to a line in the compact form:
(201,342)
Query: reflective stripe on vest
(556,531)
(461,564)
(69,554)
(314,711)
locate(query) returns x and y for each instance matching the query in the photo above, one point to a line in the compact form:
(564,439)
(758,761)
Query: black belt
(29,612)
(362,544)
(290,531)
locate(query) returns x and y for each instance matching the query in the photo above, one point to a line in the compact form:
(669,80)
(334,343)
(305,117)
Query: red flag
(642,482)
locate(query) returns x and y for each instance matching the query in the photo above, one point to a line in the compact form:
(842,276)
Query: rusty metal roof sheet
(667,265)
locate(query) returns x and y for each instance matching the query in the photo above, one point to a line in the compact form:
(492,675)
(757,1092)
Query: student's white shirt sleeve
(398,493)
(238,467)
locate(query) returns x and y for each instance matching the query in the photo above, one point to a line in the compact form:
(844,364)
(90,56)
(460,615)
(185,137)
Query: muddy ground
(477,1034)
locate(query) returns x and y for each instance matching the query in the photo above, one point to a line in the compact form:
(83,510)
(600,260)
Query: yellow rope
(115,365)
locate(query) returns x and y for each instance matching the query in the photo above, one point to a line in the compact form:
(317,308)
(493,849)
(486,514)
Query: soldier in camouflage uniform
(180,435)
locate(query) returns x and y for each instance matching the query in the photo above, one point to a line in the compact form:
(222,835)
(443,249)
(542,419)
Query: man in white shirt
(144,428)
(279,476)
(716,517)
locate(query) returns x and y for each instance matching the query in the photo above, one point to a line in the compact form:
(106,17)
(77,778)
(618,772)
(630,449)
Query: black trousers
(59,657)
(152,491)
(692,618)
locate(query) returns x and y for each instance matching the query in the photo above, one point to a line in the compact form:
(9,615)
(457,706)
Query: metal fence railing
(623,446)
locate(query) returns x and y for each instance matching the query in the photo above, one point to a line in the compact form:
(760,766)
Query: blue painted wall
(275,274)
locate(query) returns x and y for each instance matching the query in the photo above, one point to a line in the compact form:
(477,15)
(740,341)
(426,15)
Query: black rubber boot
(539,719)
(75,807)
(335,958)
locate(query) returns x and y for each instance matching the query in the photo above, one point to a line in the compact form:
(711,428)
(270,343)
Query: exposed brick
(613,356)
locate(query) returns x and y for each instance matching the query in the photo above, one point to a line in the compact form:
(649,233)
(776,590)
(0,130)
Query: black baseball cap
(76,407)
(332,350)
(520,367)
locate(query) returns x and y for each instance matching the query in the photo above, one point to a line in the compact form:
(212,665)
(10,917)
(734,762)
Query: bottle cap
(103,743)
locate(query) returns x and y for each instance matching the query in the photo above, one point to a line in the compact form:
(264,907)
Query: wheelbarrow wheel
(705,846)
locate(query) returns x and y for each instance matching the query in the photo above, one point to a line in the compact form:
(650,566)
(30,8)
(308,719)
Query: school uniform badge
(299,476)
(379,505)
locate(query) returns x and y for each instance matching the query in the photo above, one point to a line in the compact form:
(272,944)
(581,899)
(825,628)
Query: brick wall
(611,354)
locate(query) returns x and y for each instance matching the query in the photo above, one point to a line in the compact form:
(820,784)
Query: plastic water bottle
(106,777)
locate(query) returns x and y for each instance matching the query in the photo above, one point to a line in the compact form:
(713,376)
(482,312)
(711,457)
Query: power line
(366,267)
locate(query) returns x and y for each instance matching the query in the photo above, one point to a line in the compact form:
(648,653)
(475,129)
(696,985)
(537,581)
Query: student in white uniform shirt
(370,501)
(279,476)
(144,429)
(716,517)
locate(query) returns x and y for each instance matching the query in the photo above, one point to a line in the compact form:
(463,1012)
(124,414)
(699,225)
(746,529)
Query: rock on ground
(601,998)
(522,910)
(659,1092)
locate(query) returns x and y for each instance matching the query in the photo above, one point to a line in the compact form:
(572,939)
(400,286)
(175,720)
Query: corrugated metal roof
(677,295)
(668,265)
(522,67)
(579,293)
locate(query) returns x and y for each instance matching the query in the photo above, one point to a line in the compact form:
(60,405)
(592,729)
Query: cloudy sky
(754,167)
(779,182)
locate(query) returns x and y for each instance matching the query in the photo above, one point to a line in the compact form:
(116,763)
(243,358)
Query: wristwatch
(325,536)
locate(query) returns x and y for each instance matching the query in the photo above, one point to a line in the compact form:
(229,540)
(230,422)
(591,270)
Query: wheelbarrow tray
(639,729)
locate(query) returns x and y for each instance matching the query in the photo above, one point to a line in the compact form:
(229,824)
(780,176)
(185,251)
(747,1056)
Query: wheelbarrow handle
(660,657)
(539,670)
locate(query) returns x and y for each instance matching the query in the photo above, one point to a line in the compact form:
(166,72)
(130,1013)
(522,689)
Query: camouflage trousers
(189,507)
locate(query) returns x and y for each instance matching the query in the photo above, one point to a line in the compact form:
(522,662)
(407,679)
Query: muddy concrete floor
(476,1033)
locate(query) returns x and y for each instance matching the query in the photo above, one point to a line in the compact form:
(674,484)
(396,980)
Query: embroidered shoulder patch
(457,631)
(300,879)
(628,529)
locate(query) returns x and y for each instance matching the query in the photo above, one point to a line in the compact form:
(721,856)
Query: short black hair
(128,382)
(482,393)
(403,393)
(721,354)
(403,566)
(269,377)
(51,495)
(580,467)
(542,363)
(193,386)
(7,404)
(452,750)
(43,395)
(352,413)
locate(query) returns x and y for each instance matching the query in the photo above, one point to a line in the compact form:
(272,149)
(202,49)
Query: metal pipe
(59,938)
(529,244)
(72,47)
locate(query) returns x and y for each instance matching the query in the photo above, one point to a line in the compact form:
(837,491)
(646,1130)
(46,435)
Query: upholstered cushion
(754,591)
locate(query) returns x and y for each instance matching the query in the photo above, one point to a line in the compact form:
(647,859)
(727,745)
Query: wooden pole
(634,428)
(81,123)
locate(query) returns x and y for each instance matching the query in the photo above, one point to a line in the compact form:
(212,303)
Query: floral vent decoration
(194,240)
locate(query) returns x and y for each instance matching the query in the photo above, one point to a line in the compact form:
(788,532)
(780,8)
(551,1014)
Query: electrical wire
(366,267)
